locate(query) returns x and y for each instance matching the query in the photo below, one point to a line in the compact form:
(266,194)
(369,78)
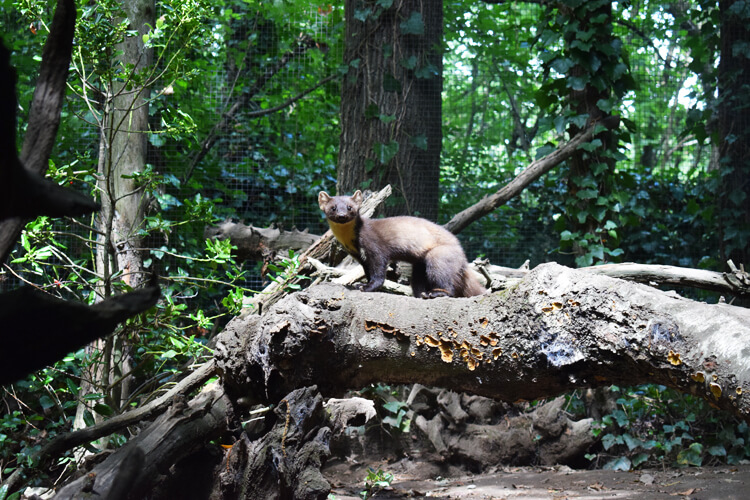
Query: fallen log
(557,330)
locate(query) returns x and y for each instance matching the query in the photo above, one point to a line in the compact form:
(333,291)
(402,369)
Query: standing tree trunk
(122,155)
(391,102)
(734,133)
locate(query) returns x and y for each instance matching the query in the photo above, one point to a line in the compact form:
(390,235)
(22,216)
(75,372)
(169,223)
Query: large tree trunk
(558,330)
(122,155)
(734,135)
(391,102)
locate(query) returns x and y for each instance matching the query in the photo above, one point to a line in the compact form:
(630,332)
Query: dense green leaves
(653,425)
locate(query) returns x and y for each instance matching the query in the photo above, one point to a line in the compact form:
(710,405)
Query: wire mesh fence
(267,118)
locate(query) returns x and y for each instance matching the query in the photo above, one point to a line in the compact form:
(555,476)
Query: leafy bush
(654,425)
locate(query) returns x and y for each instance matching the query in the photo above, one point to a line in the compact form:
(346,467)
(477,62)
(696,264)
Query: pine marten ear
(323,198)
(357,197)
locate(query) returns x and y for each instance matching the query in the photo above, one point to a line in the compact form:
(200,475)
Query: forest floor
(420,479)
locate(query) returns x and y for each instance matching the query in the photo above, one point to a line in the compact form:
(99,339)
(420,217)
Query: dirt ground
(428,480)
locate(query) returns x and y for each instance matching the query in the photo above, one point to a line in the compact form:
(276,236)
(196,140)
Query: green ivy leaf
(737,196)
(426,72)
(576,82)
(621,463)
(587,194)
(414,25)
(391,84)
(562,65)
(410,62)
(46,402)
(631,442)
(372,111)
(420,141)
(717,451)
(639,459)
(385,152)
(691,456)
(362,14)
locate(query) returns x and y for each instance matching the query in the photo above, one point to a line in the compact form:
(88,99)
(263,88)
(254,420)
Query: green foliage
(375,481)
(653,425)
(287,270)
(393,412)
(589,69)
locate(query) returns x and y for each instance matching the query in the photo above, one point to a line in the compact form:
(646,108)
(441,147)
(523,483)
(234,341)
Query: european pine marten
(438,261)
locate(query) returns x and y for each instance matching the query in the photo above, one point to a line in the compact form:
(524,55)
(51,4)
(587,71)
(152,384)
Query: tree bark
(391,110)
(175,434)
(122,156)
(734,134)
(558,330)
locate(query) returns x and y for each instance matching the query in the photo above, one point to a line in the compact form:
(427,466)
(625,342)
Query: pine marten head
(340,209)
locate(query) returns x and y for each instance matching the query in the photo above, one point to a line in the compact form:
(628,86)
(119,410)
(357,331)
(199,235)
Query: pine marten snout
(439,266)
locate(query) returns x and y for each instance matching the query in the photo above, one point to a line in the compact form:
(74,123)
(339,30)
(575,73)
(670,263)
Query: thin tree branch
(537,168)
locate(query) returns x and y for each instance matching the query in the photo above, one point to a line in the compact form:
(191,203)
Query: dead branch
(736,282)
(39,329)
(63,442)
(257,243)
(537,168)
(175,434)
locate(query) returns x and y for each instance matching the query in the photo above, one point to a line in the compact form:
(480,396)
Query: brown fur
(438,261)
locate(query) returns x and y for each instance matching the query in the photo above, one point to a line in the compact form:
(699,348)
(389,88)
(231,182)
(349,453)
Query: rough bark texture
(132,470)
(559,329)
(391,98)
(126,141)
(734,133)
(480,433)
(285,463)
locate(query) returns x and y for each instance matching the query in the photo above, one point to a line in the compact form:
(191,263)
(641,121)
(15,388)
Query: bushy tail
(472,286)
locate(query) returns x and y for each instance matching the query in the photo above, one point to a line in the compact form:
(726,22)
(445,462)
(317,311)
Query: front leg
(375,272)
